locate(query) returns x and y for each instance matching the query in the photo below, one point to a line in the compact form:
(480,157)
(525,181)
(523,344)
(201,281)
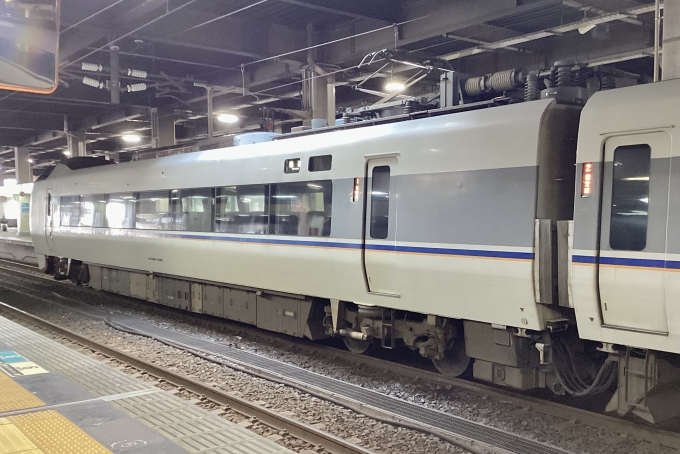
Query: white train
(532,241)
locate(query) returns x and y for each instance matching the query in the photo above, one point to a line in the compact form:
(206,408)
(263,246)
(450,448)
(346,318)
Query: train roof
(505,136)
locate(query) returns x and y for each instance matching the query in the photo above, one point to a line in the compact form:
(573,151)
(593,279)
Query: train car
(476,236)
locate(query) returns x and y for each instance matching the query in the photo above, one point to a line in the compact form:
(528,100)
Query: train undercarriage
(641,382)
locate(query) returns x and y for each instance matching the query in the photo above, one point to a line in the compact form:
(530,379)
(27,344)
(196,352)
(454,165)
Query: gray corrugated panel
(438,419)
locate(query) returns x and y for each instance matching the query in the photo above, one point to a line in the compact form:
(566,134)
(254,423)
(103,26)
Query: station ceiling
(254,51)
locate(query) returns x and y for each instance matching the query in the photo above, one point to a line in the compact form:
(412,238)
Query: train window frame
(292,165)
(139,196)
(209,194)
(622,235)
(244,226)
(384,196)
(322,163)
(93,199)
(126,198)
(62,201)
(312,216)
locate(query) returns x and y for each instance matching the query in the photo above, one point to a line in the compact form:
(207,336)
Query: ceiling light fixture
(67,153)
(393,87)
(227,118)
(132,138)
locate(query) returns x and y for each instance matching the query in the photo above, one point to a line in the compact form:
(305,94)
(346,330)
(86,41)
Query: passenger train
(532,244)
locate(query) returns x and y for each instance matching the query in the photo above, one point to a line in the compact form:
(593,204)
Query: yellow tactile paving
(54,434)
(13,441)
(14,397)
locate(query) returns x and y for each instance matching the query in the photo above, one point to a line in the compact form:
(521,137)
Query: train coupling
(558,325)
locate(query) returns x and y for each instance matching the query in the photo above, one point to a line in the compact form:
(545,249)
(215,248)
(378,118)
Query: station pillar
(670,59)
(23,175)
(76,144)
(162,128)
(320,85)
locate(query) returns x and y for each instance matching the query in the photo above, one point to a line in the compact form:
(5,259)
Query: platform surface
(12,236)
(54,400)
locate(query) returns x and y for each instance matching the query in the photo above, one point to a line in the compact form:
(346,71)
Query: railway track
(251,410)
(532,404)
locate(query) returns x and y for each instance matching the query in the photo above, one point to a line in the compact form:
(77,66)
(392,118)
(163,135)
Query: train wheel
(357,346)
(456,362)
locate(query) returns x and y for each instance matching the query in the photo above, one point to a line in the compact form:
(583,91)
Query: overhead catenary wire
(91,16)
(315,46)
(125,35)
(215,19)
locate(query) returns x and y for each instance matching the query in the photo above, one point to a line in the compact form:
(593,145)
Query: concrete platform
(54,400)
(17,248)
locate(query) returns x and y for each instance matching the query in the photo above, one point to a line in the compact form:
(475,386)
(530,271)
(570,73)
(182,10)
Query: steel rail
(530,403)
(271,418)
(296,428)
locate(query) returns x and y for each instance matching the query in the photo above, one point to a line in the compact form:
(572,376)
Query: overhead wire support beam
(125,35)
(554,31)
(380,93)
(325,9)
(115,75)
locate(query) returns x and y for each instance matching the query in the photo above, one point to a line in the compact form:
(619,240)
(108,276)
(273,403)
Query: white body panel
(642,286)
(479,286)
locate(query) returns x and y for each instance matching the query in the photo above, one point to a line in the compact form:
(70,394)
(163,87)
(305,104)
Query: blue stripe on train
(372,247)
(618,261)
(456,252)
(270,241)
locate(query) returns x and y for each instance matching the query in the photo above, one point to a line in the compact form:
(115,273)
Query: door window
(630,198)
(380,202)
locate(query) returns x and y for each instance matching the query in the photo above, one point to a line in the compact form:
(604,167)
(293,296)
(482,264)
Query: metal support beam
(22,167)
(657,38)
(330,101)
(386,14)
(115,75)
(316,82)
(76,144)
(671,40)
(211,120)
(555,31)
(162,128)
(110,118)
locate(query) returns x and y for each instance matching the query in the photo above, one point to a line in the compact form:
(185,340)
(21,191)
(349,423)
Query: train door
(380,230)
(49,219)
(633,227)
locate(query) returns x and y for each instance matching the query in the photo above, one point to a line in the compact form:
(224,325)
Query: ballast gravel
(568,435)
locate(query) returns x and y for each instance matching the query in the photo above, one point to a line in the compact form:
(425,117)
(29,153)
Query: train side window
(69,209)
(301,208)
(630,198)
(175,221)
(380,202)
(153,211)
(320,163)
(121,211)
(197,210)
(242,209)
(49,204)
(92,210)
